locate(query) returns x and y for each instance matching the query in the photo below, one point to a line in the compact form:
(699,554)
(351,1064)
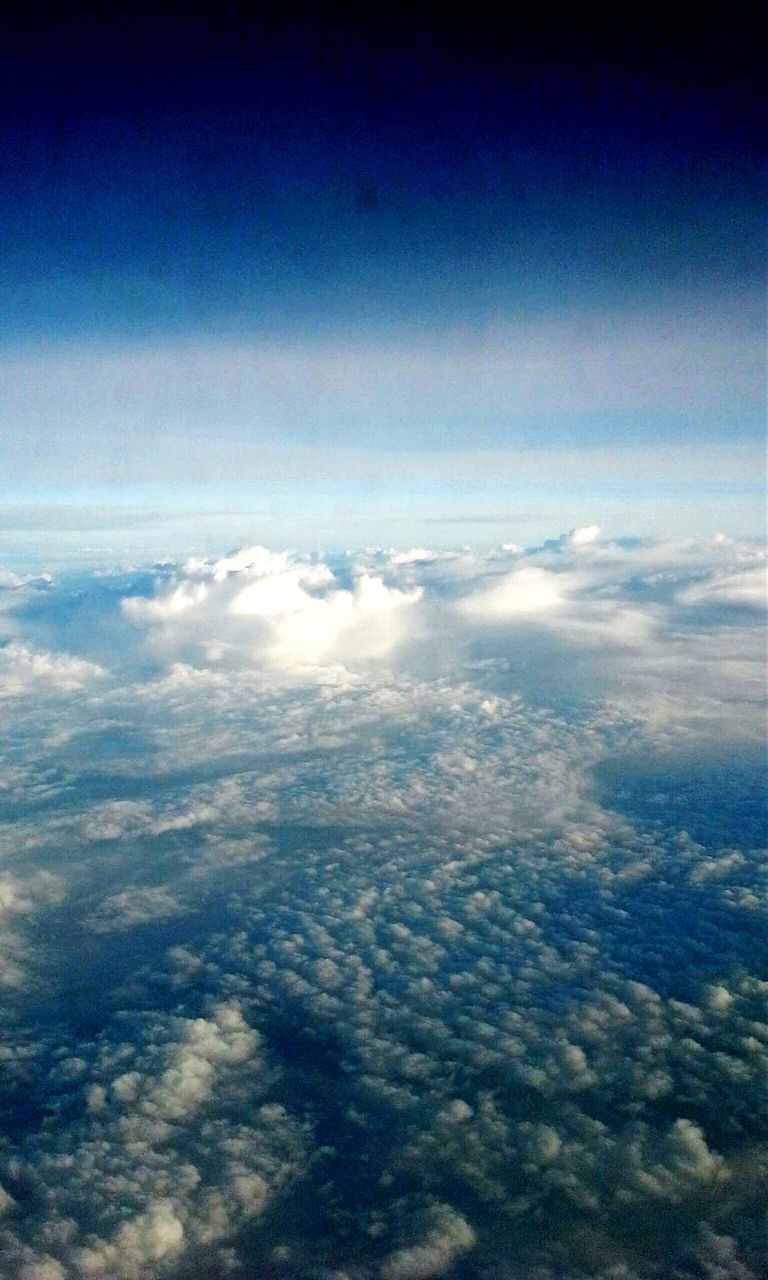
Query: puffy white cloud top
(285,612)
(526,591)
(386,916)
(23,669)
(583,537)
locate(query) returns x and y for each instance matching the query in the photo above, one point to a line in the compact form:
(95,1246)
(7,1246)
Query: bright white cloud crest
(287,613)
(526,592)
(290,614)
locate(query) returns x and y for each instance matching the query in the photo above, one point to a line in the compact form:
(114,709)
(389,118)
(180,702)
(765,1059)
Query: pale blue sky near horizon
(646,422)
(317,298)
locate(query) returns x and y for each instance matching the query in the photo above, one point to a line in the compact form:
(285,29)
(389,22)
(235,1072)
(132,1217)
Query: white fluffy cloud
(24,670)
(146,1240)
(447,1236)
(527,592)
(283,613)
(276,610)
(131,907)
(749,587)
(584,536)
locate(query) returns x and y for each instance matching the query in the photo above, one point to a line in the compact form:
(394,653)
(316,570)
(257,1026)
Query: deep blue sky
(207,169)
(362,187)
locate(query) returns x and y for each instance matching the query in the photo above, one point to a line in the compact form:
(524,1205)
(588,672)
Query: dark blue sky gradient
(214,171)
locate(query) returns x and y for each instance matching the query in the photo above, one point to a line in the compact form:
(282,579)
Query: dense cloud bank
(386,916)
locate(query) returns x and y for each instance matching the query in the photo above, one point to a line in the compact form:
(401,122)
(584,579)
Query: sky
(382,644)
(362,278)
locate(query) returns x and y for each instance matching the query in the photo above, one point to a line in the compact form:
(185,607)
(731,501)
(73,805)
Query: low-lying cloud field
(386,916)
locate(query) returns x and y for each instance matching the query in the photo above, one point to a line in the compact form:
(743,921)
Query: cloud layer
(387,916)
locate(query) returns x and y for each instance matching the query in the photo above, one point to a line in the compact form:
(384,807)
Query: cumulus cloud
(21,897)
(148,1239)
(134,907)
(749,587)
(447,1236)
(279,612)
(274,609)
(584,536)
(527,591)
(24,670)
(188,1079)
(579,606)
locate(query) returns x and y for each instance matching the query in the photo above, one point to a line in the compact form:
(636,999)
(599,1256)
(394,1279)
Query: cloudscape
(382,647)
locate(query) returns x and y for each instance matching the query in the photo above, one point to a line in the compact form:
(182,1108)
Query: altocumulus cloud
(386,916)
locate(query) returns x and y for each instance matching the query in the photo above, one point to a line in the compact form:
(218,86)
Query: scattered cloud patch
(24,670)
(750,587)
(526,592)
(583,537)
